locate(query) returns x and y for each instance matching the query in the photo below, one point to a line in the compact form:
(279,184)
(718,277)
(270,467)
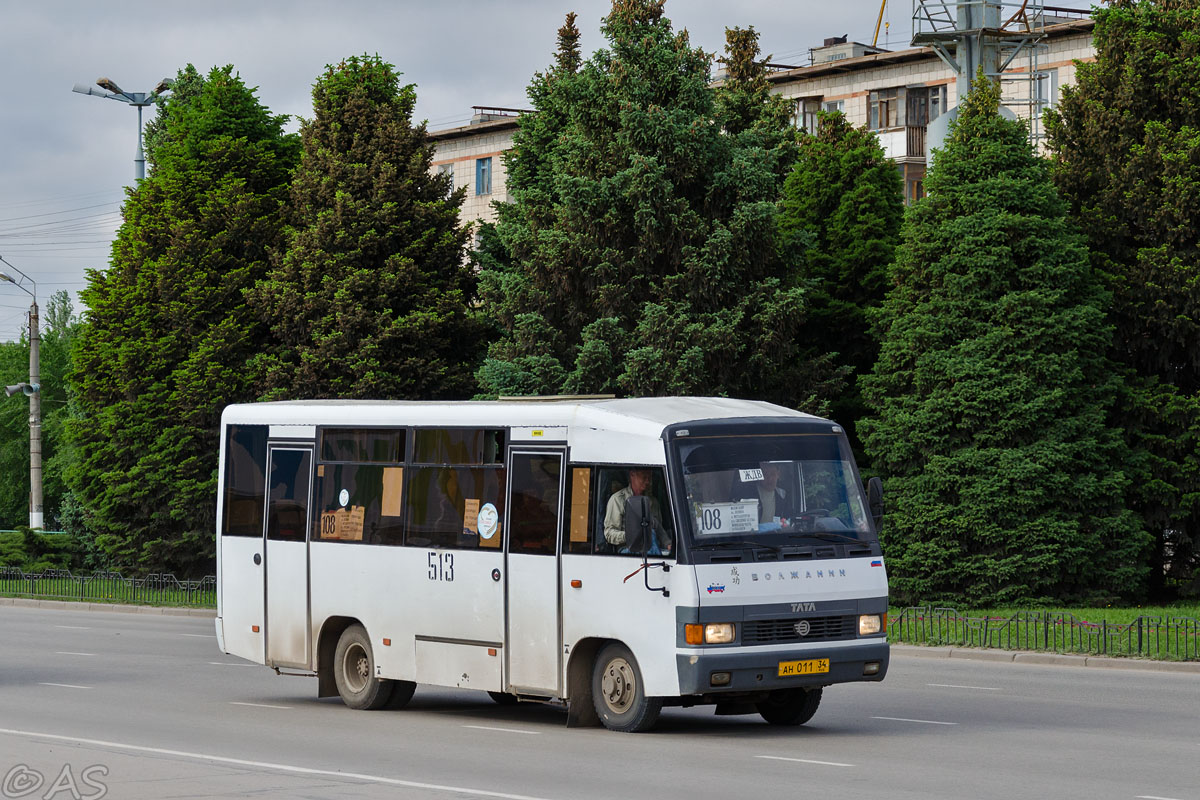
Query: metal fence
(1162,637)
(109,587)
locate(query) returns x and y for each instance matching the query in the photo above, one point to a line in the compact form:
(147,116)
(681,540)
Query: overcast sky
(65,158)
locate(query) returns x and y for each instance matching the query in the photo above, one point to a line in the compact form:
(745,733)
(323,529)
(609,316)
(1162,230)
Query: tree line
(1017,354)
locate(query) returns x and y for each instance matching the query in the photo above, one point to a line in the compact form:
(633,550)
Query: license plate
(812,667)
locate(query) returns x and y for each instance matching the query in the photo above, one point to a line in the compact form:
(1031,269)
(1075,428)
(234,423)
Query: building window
(805,115)
(834,105)
(448,171)
(884,109)
(1046,89)
(483,175)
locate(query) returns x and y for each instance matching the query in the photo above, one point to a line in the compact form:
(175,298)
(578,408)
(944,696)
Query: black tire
(790,706)
(354,671)
(619,694)
(402,692)
(503,698)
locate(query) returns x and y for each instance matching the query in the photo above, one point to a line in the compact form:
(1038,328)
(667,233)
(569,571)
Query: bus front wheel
(790,706)
(619,694)
(354,671)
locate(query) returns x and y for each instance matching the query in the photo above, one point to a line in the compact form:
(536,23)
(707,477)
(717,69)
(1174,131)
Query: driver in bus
(614,518)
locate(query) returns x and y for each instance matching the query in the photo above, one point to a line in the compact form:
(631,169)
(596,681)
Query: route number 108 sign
(717,518)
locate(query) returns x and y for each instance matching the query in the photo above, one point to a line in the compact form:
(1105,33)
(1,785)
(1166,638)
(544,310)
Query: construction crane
(879,22)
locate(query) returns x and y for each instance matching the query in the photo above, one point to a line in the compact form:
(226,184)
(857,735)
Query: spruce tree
(1126,152)
(372,295)
(841,212)
(642,229)
(169,332)
(1004,478)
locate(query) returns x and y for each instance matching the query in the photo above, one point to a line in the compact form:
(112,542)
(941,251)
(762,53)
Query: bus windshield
(774,489)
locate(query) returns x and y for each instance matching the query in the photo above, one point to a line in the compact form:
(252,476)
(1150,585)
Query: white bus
(613,555)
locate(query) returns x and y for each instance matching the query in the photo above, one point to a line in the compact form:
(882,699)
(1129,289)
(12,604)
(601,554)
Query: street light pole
(137,99)
(33,391)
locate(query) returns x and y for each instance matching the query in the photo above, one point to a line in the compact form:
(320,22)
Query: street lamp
(33,391)
(138,99)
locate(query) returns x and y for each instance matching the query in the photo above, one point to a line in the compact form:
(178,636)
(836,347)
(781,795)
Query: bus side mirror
(637,524)
(875,500)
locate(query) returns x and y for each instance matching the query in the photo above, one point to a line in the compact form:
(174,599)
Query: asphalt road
(130,706)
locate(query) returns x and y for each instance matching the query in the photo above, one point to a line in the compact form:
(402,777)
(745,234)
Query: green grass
(107,591)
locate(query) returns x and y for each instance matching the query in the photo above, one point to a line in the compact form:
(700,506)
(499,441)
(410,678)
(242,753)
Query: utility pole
(138,100)
(32,390)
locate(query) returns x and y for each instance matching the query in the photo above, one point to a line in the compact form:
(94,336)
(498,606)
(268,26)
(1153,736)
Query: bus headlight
(869,624)
(718,633)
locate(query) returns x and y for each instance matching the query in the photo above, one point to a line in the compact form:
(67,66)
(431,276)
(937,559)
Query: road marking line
(74,627)
(232,664)
(504,730)
(808,761)
(241,762)
(956,686)
(259,705)
(925,721)
(200,635)
(69,653)
(1152,797)
(64,685)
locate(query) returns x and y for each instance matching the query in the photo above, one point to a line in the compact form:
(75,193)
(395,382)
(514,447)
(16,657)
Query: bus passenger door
(532,642)
(289,479)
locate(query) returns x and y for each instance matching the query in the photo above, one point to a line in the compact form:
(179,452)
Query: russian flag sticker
(876,563)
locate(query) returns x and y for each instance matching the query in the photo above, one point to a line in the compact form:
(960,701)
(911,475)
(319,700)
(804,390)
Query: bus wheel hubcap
(357,668)
(618,685)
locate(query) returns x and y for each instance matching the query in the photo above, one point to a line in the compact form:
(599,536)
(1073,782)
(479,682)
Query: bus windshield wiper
(741,543)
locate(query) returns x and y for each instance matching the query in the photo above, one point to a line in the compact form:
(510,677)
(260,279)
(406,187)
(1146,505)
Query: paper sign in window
(345,524)
(581,478)
(393,491)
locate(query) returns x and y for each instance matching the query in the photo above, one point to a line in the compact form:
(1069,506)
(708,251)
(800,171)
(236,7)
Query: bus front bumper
(759,671)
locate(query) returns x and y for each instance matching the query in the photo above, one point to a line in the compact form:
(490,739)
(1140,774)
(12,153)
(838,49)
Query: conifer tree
(841,212)
(371,297)
(642,229)
(1004,478)
(169,332)
(1126,152)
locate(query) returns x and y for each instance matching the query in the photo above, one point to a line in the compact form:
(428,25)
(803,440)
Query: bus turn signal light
(693,634)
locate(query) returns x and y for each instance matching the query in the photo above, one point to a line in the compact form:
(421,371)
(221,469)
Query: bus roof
(624,430)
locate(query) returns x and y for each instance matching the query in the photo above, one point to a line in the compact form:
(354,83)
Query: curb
(1044,659)
(115,608)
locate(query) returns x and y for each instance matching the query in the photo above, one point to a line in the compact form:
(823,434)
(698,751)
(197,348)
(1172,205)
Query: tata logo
(803,627)
(797,607)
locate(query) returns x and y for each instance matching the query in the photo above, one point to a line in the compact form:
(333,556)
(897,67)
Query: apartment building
(902,95)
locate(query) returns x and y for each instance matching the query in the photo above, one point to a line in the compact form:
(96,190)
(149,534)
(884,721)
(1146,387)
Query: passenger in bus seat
(640,483)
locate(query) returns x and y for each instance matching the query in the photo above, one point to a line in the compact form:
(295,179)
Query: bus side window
(245,480)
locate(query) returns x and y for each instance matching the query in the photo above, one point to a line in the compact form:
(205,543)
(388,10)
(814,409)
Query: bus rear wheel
(790,706)
(619,694)
(354,671)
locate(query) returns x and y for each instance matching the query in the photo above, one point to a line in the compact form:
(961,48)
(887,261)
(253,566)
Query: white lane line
(260,705)
(64,685)
(241,762)
(69,653)
(232,664)
(808,761)
(200,635)
(925,721)
(503,730)
(74,627)
(956,686)
(1152,797)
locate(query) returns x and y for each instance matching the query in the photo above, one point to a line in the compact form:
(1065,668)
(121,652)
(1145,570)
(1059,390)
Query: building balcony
(905,144)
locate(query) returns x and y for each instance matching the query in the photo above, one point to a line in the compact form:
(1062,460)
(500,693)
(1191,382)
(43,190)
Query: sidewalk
(1052,659)
(117,608)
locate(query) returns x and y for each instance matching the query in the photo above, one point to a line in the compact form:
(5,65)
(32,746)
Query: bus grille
(820,629)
